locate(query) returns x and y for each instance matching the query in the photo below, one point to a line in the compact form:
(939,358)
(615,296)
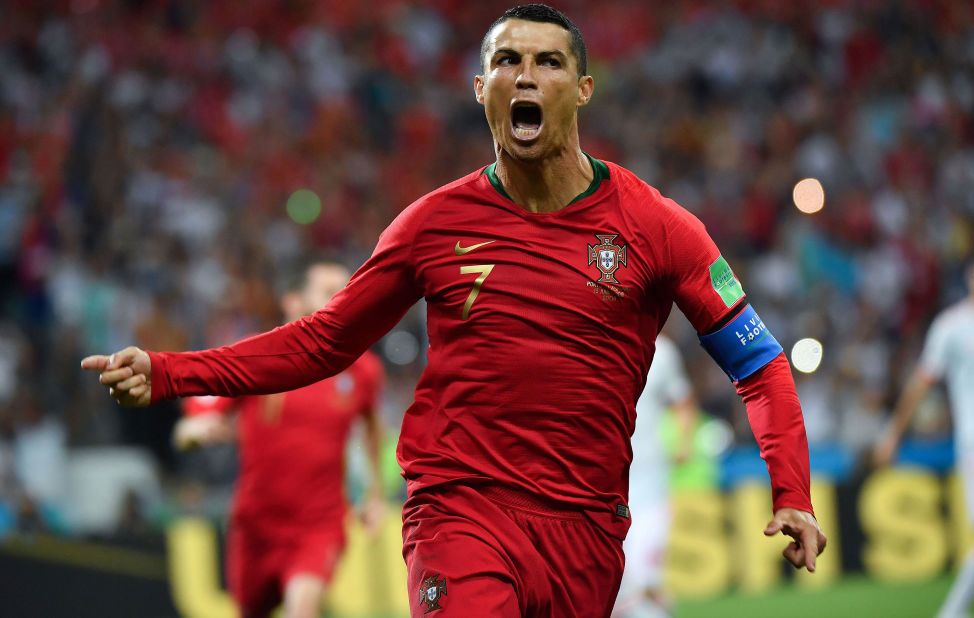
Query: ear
(586,87)
(478,88)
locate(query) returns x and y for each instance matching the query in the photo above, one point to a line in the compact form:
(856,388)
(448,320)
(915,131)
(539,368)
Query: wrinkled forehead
(529,37)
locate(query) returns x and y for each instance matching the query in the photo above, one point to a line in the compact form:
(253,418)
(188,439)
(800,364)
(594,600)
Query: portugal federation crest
(431,591)
(607,256)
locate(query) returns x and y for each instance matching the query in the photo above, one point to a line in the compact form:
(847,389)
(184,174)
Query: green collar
(600,172)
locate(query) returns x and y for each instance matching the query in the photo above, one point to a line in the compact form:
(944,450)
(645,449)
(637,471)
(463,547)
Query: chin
(531,152)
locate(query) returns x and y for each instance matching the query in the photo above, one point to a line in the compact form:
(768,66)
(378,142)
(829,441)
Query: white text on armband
(756,331)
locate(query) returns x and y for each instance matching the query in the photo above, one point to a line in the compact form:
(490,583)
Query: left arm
(709,294)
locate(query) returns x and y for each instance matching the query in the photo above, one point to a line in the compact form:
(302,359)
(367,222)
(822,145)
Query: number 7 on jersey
(484,270)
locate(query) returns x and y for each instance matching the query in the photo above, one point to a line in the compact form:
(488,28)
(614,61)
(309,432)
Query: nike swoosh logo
(465,250)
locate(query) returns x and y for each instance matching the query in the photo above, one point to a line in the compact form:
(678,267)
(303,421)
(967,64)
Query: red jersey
(541,331)
(292,447)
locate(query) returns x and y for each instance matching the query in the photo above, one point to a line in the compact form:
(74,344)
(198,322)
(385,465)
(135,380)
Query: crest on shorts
(431,591)
(607,256)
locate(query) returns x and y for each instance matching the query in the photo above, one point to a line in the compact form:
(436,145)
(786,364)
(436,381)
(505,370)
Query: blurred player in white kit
(948,355)
(641,594)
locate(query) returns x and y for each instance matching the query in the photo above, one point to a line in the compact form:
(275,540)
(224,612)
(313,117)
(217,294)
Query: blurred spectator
(40,455)
(9,486)
(132,520)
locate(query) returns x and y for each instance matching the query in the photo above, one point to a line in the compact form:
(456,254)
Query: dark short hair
(294,276)
(293,279)
(544,14)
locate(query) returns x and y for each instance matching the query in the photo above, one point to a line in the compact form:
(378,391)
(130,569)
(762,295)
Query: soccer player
(287,526)
(667,386)
(948,355)
(547,276)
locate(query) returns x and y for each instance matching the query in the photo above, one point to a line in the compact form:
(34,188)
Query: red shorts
(259,564)
(500,553)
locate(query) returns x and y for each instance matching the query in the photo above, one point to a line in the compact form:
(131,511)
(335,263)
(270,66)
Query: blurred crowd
(165,163)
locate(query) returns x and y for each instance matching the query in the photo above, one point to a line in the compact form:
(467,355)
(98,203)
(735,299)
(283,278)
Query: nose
(526,78)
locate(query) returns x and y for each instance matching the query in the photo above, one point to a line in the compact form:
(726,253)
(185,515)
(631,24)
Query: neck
(548,184)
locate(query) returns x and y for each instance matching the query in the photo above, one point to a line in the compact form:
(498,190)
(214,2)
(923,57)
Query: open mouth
(526,120)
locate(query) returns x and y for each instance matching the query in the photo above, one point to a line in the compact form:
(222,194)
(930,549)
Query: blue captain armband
(743,346)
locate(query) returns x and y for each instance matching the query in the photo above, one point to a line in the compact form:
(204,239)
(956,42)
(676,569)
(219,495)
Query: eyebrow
(541,54)
(553,54)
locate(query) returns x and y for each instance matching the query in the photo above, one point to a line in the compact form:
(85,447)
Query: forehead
(528,37)
(327,274)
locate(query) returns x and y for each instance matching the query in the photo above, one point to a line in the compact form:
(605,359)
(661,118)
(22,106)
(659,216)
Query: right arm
(916,389)
(289,357)
(933,362)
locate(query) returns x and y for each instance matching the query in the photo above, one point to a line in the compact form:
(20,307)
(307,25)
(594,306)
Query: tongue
(526,119)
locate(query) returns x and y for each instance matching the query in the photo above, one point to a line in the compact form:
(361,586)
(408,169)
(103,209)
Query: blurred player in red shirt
(287,526)
(547,275)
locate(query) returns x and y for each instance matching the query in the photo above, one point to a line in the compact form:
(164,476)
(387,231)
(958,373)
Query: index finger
(809,540)
(97,362)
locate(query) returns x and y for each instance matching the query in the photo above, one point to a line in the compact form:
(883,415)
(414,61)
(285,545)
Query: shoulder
(958,316)
(646,202)
(436,199)
(410,221)
(664,229)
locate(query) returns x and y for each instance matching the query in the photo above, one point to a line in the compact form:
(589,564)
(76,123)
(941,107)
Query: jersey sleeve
(775,415)
(936,348)
(312,348)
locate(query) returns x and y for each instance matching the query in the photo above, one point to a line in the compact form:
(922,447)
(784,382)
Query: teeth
(525,132)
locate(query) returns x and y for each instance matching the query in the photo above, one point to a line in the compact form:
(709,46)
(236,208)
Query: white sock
(961,593)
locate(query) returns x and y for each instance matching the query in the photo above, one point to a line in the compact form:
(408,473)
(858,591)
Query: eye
(551,62)
(505,60)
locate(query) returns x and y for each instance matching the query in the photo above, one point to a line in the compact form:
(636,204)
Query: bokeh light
(715,436)
(806,355)
(304,206)
(401,347)
(809,195)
